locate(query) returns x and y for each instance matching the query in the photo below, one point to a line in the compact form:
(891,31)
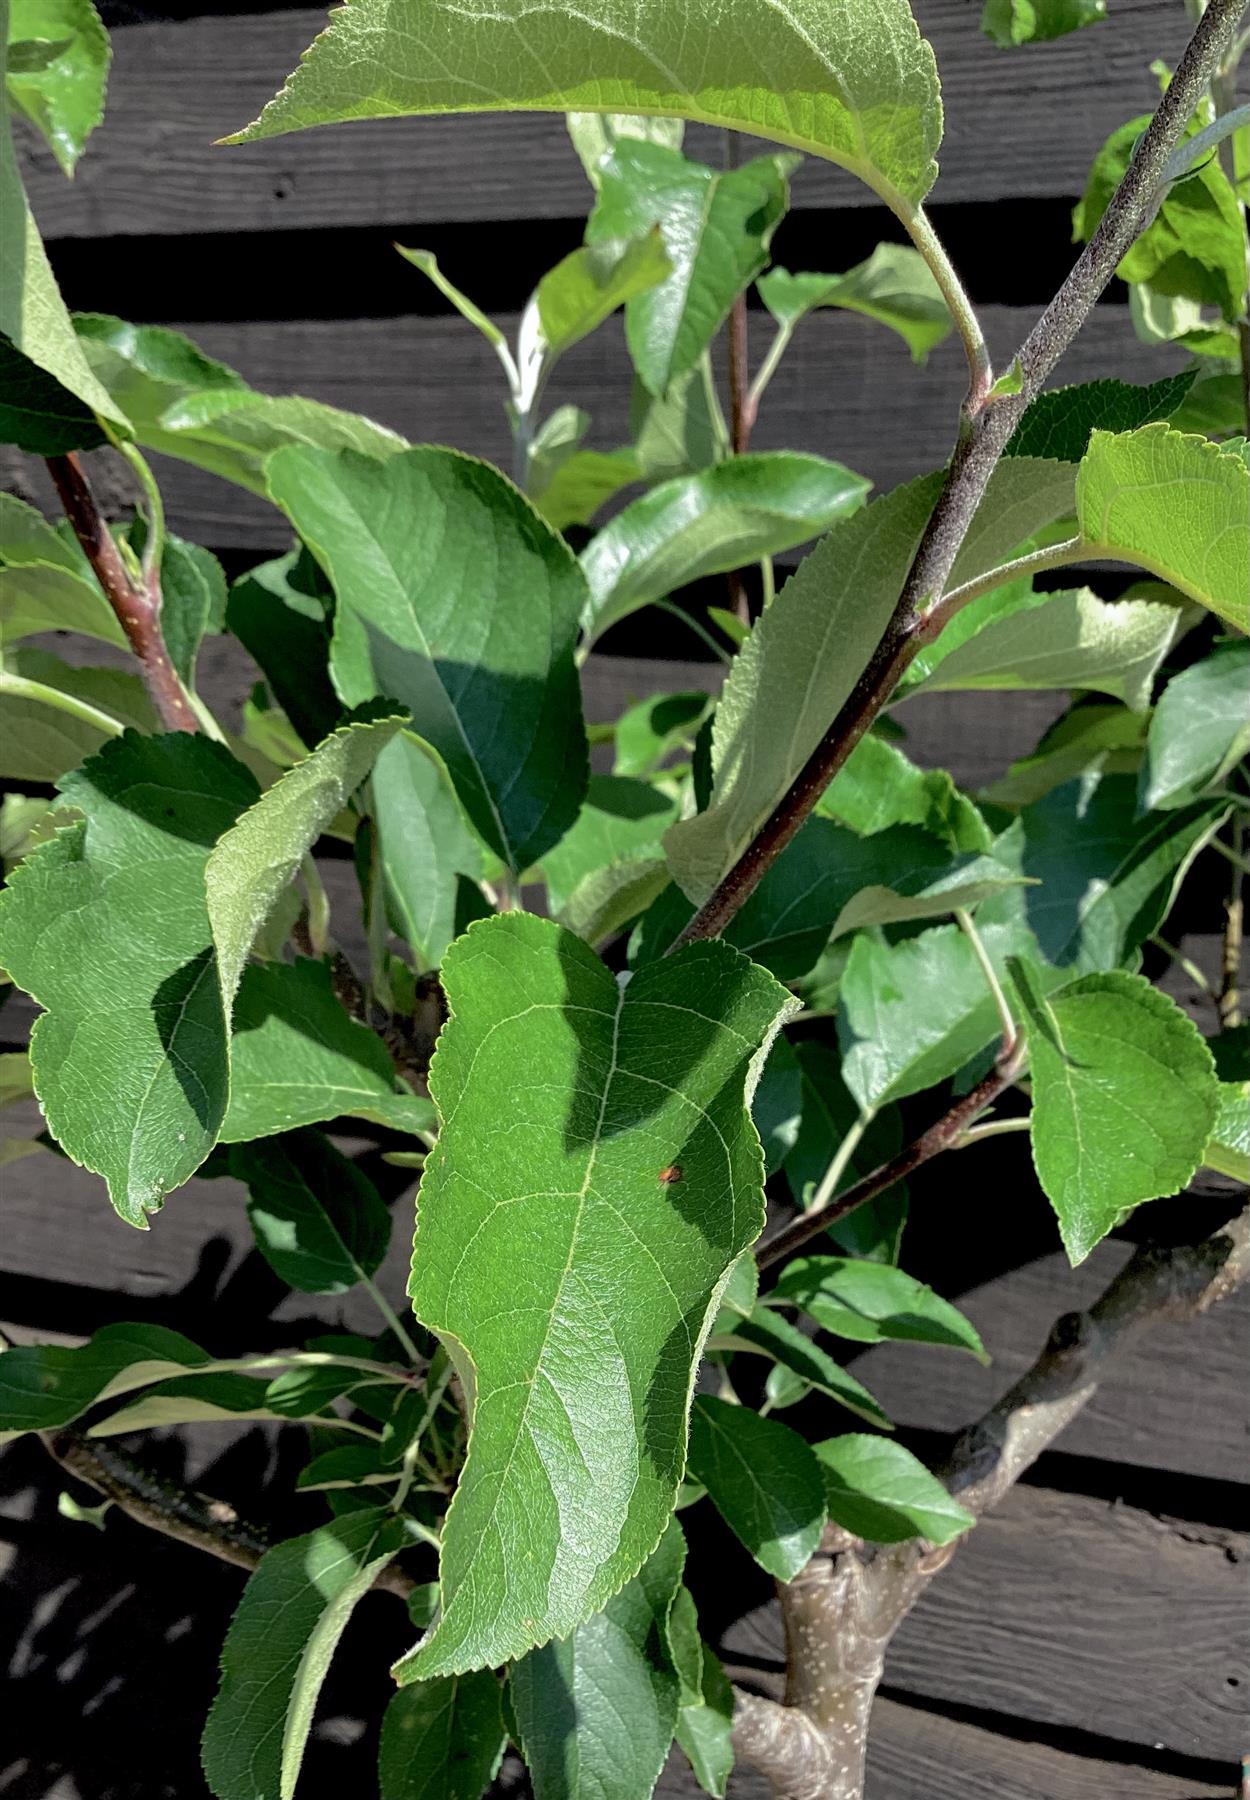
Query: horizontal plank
(1014,127)
(1073,1613)
(846,389)
(1178,1400)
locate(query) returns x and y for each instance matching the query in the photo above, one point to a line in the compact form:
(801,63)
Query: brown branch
(986,425)
(841,1612)
(137,604)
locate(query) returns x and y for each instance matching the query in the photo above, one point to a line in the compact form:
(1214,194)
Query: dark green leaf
(623,819)
(280,612)
(318,1221)
(442,1739)
(763,1480)
(771,1335)
(1059,422)
(777,1106)
(37,413)
(45,1386)
(829,1113)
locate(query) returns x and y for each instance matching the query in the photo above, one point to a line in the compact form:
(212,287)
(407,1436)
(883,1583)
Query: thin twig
(136,603)
(985,430)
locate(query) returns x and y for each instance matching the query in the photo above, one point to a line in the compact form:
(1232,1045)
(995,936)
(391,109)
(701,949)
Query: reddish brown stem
(137,605)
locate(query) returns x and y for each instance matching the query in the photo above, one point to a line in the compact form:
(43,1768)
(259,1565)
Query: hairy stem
(136,603)
(980,373)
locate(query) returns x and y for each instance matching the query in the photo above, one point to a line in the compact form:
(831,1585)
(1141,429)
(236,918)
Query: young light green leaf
(895,287)
(427,262)
(138,996)
(38,596)
(45,1386)
(282,1638)
(456,599)
(442,1739)
(623,820)
(872,1303)
(318,1221)
(584,289)
(771,1335)
(641,1181)
(595,135)
(1228,1148)
(431,861)
(1010,22)
(716,227)
(857,83)
(596,1712)
(881,1492)
(583,482)
(878,786)
(257,858)
(1200,729)
(762,1479)
(297,1058)
(57,70)
(722,518)
(607,900)
(1124,1097)
(682,432)
(649,732)
(1176,505)
(1059,422)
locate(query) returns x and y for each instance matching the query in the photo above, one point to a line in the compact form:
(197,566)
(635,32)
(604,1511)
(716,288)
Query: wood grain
(1012,128)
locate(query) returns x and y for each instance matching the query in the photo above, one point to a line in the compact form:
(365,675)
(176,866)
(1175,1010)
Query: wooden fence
(1089,1643)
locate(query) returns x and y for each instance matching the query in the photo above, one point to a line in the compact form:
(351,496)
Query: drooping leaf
(300,1393)
(857,82)
(872,1303)
(881,1492)
(1200,728)
(442,1739)
(193,601)
(716,226)
(640,1179)
(878,786)
(281,1640)
(1176,505)
(57,70)
(596,1712)
(894,286)
(771,1335)
(588,285)
(1124,1097)
(106,926)
(318,1221)
(1059,422)
(722,518)
(456,599)
(297,1058)
(45,1386)
(427,262)
(763,1480)
(623,820)
(1010,22)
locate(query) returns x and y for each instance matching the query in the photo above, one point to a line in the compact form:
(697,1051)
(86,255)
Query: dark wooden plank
(1071,1612)
(846,389)
(1012,130)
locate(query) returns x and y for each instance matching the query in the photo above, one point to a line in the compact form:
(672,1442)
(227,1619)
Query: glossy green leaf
(442,1739)
(317,1220)
(588,285)
(1200,729)
(872,1303)
(456,599)
(769,1334)
(894,286)
(281,1640)
(716,226)
(722,518)
(45,1386)
(596,1712)
(296,1058)
(57,69)
(881,1492)
(1124,1098)
(763,1480)
(778,1104)
(878,786)
(295,1394)
(852,82)
(1176,505)
(106,926)
(431,860)
(1010,22)
(596,135)
(681,432)
(1059,422)
(582,1369)
(623,820)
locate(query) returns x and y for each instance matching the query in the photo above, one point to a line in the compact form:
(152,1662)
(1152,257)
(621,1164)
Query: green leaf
(584,289)
(583,481)
(281,1640)
(959,888)
(427,262)
(607,900)
(319,1223)
(1124,1098)
(456,599)
(1200,729)
(722,518)
(766,1332)
(430,858)
(622,820)
(762,1479)
(881,1492)
(1176,505)
(1228,1148)
(38,596)
(182,403)
(37,413)
(45,1386)
(443,1739)
(55,715)
(810,646)
(1010,22)
(193,602)
(582,1370)
(106,926)
(215,1398)
(297,1058)
(596,135)
(257,858)
(856,84)
(596,1712)
(280,612)
(829,1112)
(60,87)
(716,227)
(1107,739)
(1059,422)
(872,1303)
(778,1104)
(705,1727)
(895,286)
(878,787)
(683,431)
(1015,638)
(649,732)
